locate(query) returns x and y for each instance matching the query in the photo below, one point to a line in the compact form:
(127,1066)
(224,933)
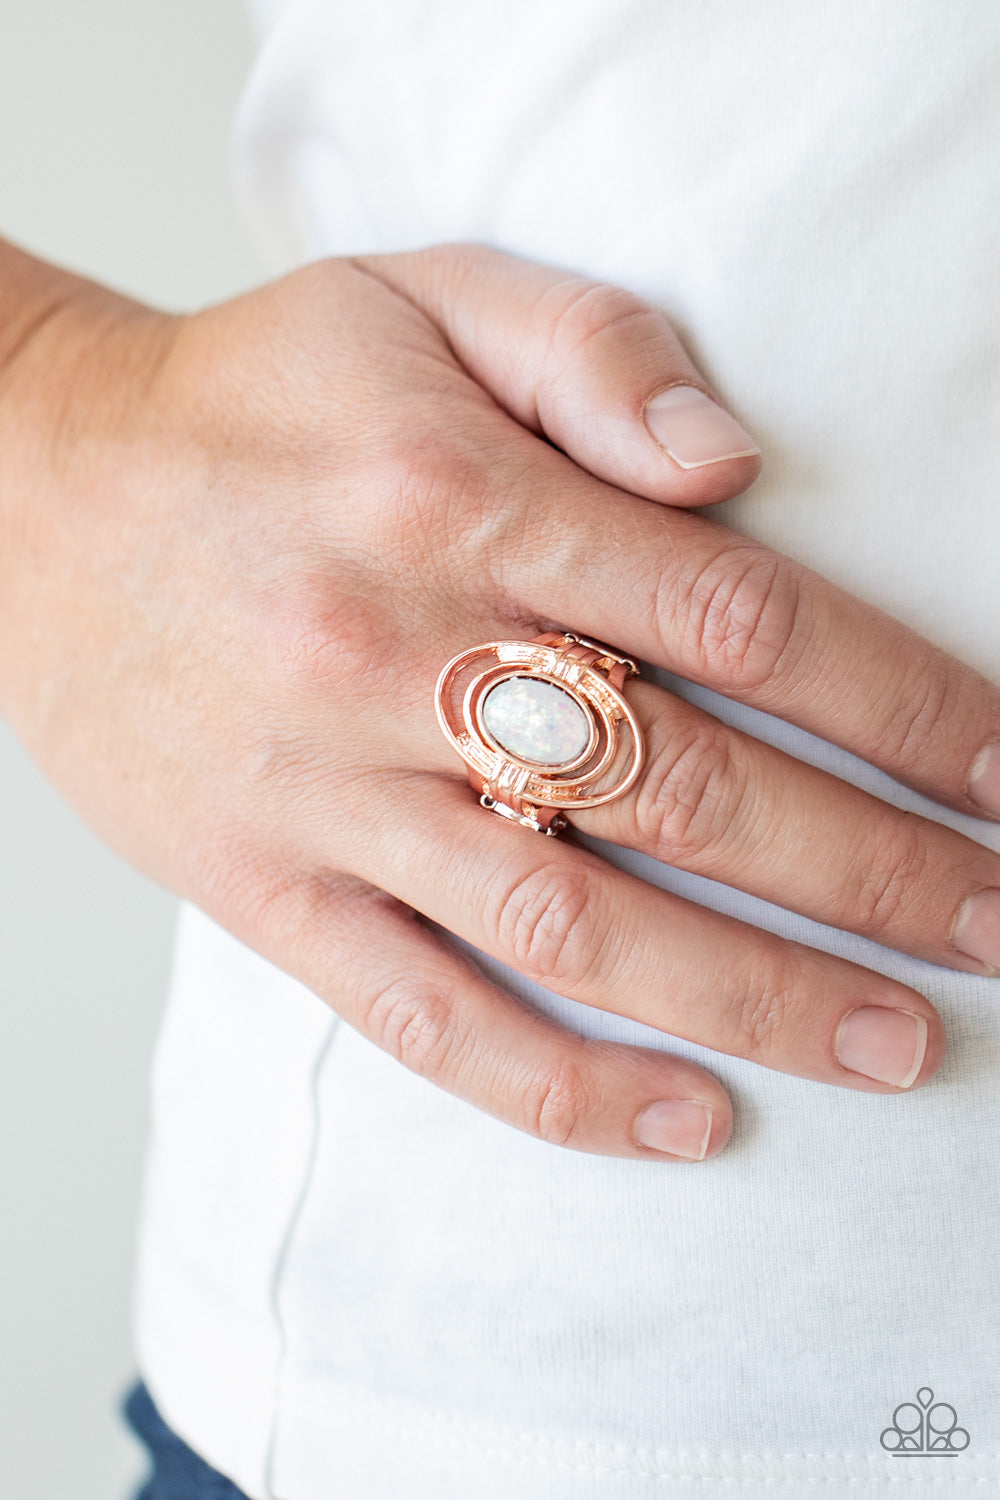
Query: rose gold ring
(542,725)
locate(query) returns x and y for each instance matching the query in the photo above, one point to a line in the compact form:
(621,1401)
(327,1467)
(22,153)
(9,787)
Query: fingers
(722,610)
(411,994)
(599,371)
(721,804)
(566,919)
(724,805)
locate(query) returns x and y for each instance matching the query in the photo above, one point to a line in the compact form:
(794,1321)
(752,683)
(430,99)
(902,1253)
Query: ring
(542,725)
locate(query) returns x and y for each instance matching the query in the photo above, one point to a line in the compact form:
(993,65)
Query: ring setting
(542,725)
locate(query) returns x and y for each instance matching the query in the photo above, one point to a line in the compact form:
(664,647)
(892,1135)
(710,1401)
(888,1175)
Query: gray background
(114,139)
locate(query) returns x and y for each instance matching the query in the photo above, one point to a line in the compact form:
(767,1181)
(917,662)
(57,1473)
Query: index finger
(722,610)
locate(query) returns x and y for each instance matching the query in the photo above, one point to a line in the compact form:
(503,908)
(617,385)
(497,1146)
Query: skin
(236,549)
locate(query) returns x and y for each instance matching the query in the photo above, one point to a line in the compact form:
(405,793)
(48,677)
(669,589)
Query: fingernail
(887,1045)
(984,780)
(680,1126)
(977,928)
(694,429)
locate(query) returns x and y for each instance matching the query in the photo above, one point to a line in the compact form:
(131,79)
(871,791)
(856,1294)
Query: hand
(240,546)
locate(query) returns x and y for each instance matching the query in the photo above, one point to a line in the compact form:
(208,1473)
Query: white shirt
(354,1286)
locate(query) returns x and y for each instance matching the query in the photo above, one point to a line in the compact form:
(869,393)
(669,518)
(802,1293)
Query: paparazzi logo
(925,1429)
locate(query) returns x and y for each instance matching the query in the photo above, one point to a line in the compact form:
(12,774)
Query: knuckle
(445,500)
(545,923)
(578,311)
(923,706)
(415,1023)
(313,638)
(559,1102)
(762,1018)
(743,611)
(690,792)
(430,466)
(884,888)
(239,884)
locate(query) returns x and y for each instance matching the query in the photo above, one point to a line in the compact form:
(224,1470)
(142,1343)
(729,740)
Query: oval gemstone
(536,721)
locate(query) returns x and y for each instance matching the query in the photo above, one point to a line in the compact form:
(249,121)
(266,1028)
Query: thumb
(593,368)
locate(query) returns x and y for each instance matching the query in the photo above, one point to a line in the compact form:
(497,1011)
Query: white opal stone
(536,721)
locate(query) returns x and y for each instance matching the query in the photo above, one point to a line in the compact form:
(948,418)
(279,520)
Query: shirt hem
(443,1455)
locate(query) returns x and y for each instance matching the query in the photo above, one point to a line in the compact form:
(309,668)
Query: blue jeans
(178,1474)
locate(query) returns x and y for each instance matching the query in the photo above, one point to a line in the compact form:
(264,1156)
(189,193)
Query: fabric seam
(281,1260)
(371,1410)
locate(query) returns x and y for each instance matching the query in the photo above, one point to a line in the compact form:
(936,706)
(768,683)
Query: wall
(114,121)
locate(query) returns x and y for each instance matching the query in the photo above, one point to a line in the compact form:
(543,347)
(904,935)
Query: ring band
(543,725)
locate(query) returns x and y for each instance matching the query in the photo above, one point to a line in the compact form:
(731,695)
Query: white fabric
(353,1285)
